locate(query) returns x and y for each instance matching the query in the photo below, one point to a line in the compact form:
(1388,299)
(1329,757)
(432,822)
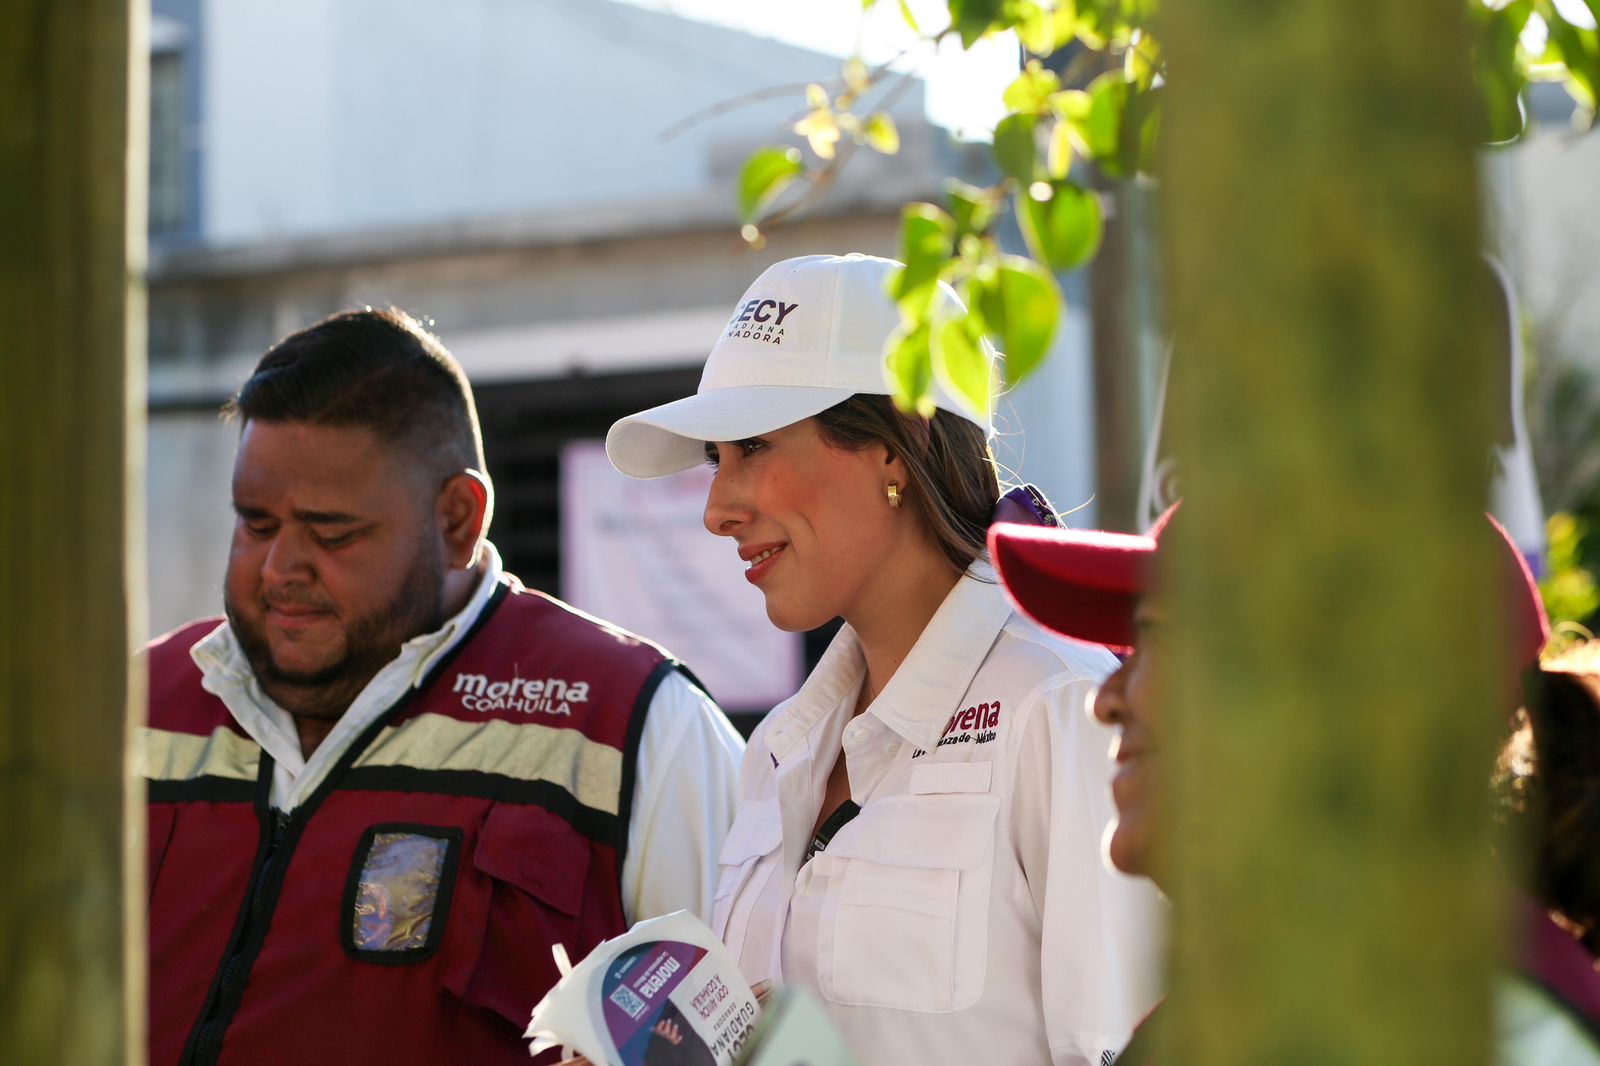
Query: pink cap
(1085,584)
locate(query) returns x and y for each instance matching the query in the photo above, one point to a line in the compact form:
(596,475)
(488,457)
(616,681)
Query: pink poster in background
(637,554)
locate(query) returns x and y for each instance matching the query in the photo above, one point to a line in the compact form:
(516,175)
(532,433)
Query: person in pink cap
(1549,778)
(1104,588)
(918,832)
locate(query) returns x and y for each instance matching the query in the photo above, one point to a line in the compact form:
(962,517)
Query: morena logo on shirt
(760,320)
(975,725)
(551,695)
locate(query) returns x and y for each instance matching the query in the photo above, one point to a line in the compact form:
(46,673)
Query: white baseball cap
(807,335)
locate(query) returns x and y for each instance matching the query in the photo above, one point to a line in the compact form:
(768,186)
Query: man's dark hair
(377,369)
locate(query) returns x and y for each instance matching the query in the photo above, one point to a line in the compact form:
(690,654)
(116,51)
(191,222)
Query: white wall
(1550,231)
(363,114)
(188,514)
(1045,430)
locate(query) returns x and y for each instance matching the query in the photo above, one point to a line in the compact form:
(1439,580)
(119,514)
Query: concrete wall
(1550,229)
(189,516)
(367,114)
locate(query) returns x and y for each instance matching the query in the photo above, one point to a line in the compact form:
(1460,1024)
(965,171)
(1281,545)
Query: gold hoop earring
(893,492)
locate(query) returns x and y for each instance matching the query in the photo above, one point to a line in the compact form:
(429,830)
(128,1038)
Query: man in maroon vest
(392,778)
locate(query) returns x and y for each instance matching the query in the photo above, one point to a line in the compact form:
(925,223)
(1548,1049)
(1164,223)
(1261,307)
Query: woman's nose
(725,510)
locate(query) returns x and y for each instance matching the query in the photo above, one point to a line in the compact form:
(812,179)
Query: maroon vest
(405,912)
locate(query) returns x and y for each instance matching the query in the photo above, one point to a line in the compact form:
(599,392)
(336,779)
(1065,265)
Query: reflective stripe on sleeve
(164,755)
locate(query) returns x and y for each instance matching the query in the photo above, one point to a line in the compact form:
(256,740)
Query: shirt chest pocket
(744,866)
(906,921)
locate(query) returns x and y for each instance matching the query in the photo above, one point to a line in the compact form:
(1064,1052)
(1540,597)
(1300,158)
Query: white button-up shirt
(966,913)
(686,788)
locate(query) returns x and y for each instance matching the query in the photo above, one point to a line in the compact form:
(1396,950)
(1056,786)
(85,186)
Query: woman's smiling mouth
(761,558)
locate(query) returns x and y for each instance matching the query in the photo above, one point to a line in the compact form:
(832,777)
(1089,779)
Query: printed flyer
(663,994)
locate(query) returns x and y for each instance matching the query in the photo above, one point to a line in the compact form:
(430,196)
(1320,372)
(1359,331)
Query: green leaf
(1092,25)
(1579,49)
(1034,26)
(1105,22)
(881,134)
(1058,160)
(908,361)
(1141,125)
(1022,306)
(973,19)
(1142,62)
(857,78)
(960,363)
(972,208)
(1500,77)
(1063,229)
(910,19)
(766,173)
(1063,24)
(1014,149)
(927,238)
(1073,105)
(1032,90)
(1100,131)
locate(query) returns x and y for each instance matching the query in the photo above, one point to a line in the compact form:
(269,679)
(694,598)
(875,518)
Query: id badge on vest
(398,896)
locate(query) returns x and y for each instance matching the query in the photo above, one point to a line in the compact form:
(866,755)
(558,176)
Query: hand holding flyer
(663,993)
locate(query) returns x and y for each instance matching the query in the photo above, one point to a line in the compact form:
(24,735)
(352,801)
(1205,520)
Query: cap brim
(1526,619)
(671,437)
(1078,583)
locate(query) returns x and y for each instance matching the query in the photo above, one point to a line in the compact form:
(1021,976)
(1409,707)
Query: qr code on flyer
(623,997)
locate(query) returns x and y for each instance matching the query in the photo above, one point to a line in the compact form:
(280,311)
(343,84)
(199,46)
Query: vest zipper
(206,1046)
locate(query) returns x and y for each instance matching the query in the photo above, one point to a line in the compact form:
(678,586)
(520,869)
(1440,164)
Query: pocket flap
(755,832)
(535,850)
(937,777)
(936,831)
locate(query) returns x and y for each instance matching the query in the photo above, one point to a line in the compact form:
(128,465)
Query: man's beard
(371,642)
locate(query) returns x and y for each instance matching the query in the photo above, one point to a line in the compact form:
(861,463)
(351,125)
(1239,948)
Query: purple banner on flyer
(636,987)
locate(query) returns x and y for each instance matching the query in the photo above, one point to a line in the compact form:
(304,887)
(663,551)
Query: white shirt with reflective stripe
(685,778)
(966,914)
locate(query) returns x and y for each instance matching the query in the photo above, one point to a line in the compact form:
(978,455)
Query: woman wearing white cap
(918,838)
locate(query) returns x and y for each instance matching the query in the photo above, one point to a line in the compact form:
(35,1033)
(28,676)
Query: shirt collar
(928,685)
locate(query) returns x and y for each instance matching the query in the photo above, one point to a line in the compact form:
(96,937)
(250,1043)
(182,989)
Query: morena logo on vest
(551,695)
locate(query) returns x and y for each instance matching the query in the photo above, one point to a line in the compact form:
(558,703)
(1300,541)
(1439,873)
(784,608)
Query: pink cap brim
(1086,584)
(1079,583)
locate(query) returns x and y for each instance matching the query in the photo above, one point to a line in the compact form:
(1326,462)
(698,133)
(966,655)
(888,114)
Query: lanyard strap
(832,824)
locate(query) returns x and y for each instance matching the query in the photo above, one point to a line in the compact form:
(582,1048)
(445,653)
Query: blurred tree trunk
(1332,407)
(72,247)
(1336,704)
